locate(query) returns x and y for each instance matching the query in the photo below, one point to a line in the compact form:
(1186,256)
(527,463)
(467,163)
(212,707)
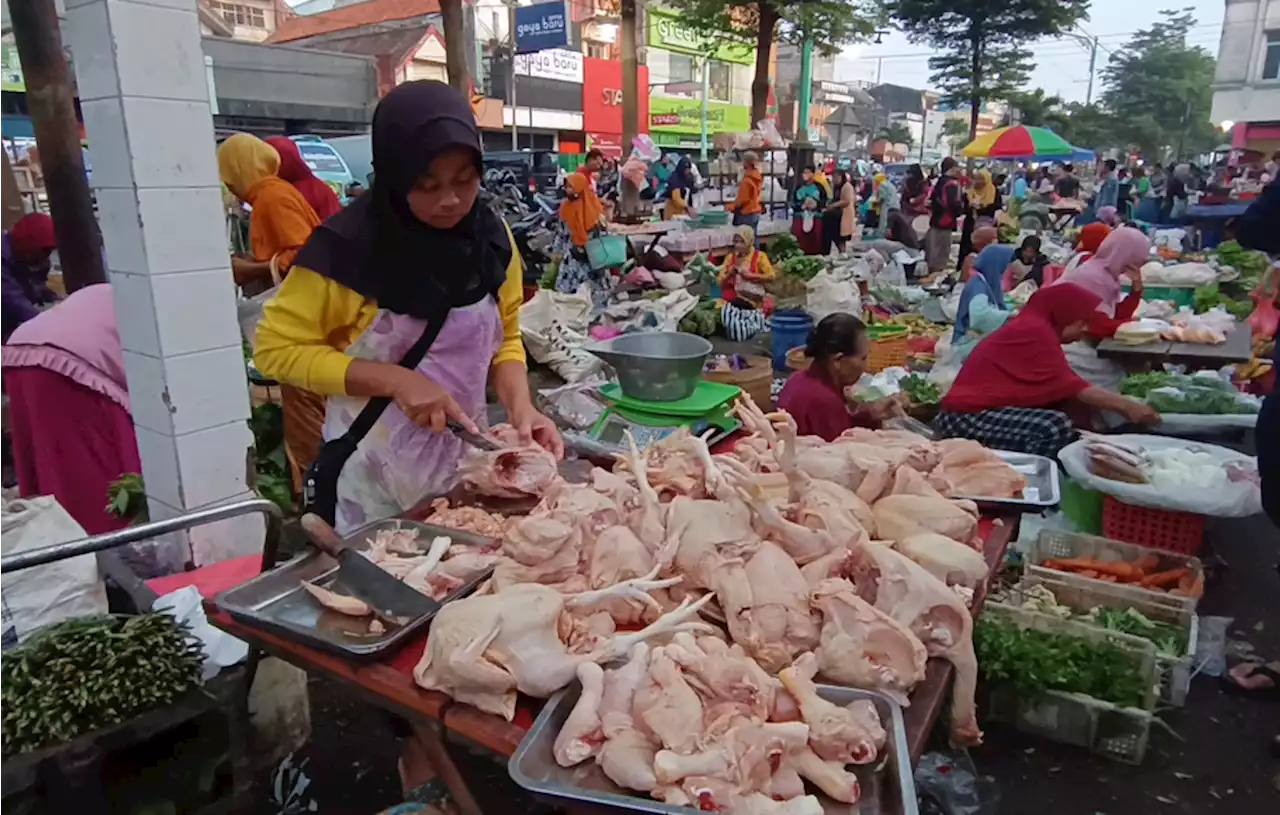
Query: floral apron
(399,462)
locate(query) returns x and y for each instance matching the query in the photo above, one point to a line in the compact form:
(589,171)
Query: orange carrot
(1163,580)
(1197,586)
(1184,582)
(1117,568)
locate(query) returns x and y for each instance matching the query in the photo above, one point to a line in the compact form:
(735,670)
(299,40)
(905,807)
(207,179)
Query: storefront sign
(602,96)
(608,143)
(667,31)
(540,27)
(556,63)
(685,116)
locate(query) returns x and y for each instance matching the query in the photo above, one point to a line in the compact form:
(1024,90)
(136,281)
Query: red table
(435,717)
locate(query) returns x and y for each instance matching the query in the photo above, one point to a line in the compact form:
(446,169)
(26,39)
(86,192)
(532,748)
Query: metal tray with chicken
(1002,479)
(697,723)
(301,601)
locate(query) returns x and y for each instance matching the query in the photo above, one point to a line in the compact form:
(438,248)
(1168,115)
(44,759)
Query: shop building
(1246,80)
(602,104)
(676,58)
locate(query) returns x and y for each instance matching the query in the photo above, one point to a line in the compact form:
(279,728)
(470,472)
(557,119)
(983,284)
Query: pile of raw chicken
(846,561)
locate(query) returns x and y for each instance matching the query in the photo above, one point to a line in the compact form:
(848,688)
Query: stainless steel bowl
(658,366)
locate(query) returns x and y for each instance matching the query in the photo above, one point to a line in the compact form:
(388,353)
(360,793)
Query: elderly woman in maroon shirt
(815,397)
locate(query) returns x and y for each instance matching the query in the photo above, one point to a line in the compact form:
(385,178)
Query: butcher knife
(391,600)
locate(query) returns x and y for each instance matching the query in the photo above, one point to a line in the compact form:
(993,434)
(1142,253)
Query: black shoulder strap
(372,410)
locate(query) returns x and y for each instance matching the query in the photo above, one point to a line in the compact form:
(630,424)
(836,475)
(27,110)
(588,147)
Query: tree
(1035,109)
(830,23)
(1160,90)
(897,133)
(955,129)
(455,45)
(1090,126)
(983,43)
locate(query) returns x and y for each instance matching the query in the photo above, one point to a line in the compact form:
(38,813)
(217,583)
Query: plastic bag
(1223,485)
(949,784)
(830,293)
(56,591)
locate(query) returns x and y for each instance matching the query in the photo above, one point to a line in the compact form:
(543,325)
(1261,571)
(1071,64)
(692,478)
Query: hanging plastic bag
(949,784)
(828,294)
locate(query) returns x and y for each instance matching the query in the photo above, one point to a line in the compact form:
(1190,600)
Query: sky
(1062,65)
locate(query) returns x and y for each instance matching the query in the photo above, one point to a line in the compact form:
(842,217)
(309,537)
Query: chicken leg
(580,737)
(835,733)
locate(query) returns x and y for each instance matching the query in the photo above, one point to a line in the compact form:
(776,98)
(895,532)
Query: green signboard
(667,31)
(685,116)
(11,80)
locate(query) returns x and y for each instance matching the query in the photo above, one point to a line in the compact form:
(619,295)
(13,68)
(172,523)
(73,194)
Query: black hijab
(378,248)
(915,182)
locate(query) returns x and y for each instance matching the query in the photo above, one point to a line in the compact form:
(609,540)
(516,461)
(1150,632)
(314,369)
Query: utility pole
(515,109)
(706,93)
(51,101)
(806,85)
(1093,60)
(629,194)
(455,45)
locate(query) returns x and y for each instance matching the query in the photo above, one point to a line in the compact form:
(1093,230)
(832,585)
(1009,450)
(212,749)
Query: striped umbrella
(1019,141)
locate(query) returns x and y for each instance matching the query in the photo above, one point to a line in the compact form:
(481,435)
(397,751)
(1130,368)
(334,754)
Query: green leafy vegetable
(1208,297)
(80,675)
(784,247)
(1168,639)
(704,320)
(805,267)
(127,499)
(1179,393)
(921,390)
(1250,263)
(1037,661)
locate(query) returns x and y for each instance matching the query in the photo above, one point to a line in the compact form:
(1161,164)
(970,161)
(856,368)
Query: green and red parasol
(1019,141)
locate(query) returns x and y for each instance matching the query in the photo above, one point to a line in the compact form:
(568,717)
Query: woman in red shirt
(1013,388)
(815,398)
(1122,253)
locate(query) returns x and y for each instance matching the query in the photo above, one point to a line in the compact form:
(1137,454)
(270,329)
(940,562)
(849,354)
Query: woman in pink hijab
(69,406)
(1122,253)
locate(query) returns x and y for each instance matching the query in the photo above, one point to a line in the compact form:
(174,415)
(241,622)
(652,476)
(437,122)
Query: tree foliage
(831,24)
(1036,109)
(982,43)
(1159,89)
(1090,126)
(897,133)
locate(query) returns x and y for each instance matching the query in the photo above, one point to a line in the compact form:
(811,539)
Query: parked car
(534,170)
(326,163)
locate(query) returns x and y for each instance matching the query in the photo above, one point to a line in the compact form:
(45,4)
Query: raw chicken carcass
(950,561)
(829,776)
(781,622)
(668,707)
(862,647)
(484,648)
(516,471)
(910,481)
(466,518)
(901,516)
(904,590)
(923,453)
(835,733)
(341,603)
(618,555)
(968,468)
(580,736)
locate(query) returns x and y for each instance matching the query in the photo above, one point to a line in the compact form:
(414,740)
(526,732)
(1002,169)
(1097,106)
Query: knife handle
(321,534)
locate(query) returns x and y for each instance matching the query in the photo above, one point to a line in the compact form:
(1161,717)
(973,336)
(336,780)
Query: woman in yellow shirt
(746,269)
(419,254)
(681,184)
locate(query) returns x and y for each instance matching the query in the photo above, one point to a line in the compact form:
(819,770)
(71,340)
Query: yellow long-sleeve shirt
(310,322)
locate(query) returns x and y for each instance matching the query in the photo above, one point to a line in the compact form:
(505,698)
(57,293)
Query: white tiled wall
(140,72)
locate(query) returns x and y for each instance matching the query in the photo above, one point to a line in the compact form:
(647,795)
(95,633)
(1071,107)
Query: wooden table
(1237,348)
(436,718)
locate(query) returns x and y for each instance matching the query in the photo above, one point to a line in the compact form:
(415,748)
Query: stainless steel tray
(1042,492)
(274,600)
(887,787)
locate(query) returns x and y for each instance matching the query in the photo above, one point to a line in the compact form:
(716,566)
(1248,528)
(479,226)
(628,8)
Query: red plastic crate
(1180,532)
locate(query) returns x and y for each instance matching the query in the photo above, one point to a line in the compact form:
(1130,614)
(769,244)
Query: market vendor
(982,237)
(581,217)
(1027,264)
(838,219)
(806,211)
(27,246)
(295,170)
(946,205)
(746,304)
(746,207)
(982,308)
(984,197)
(419,249)
(815,397)
(1015,388)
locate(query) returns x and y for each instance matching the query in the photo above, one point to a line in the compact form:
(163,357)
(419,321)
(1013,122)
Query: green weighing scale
(709,407)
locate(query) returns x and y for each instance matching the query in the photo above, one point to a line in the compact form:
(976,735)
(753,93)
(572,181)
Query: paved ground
(1217,763)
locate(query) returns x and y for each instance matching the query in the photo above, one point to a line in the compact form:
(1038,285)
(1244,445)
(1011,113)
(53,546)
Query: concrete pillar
(141,77)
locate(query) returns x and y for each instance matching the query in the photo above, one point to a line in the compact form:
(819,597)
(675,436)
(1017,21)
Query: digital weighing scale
(709,407)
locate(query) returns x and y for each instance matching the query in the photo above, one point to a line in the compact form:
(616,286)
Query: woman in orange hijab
(280,223)
(281,220)
(1087,243)
(581,214)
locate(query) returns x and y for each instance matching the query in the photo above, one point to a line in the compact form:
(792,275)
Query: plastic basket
(1082,506)
(1052,544)
(1118,733)
(1180,295)
(1181,532)
(888,347)
(1173,670)
(714,218)
(607,251)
